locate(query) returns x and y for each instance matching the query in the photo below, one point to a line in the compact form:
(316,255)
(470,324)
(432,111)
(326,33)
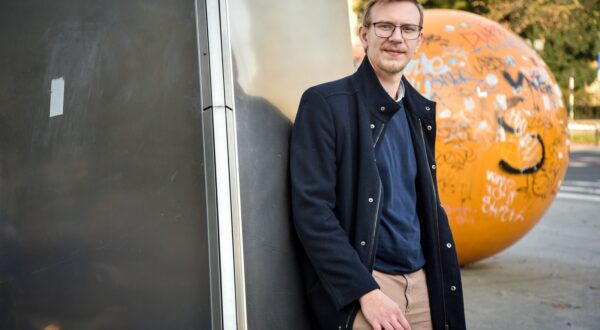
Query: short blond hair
(366,18)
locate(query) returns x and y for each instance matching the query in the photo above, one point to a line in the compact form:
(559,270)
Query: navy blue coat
(337,194)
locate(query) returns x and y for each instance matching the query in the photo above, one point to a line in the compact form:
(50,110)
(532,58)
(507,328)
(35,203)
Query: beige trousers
(409,291)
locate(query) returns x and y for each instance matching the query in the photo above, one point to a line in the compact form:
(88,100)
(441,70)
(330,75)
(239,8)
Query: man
(378,248)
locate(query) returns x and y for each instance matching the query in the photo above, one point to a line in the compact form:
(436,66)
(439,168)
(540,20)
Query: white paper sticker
(57,96)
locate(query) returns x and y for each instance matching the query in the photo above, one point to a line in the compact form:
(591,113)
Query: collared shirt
(401,86)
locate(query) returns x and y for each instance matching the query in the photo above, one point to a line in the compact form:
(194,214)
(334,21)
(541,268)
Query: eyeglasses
(408,31)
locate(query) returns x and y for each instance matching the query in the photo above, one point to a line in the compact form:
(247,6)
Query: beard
(390,66)
(393,68)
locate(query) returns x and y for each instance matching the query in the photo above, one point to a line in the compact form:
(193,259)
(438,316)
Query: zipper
(378,135)
(437,224)
(350,315)
(370,261)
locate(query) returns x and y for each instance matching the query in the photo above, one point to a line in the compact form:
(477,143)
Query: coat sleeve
(313,179)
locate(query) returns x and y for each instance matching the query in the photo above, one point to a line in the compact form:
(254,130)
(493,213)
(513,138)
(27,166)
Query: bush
(587,112)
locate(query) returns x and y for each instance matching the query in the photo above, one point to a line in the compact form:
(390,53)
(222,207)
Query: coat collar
(379,102)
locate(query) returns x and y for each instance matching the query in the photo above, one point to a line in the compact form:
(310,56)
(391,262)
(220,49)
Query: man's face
(389,56)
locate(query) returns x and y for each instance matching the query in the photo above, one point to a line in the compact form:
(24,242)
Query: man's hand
(382,312)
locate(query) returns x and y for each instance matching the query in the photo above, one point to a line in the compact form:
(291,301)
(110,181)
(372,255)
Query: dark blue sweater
(399,246)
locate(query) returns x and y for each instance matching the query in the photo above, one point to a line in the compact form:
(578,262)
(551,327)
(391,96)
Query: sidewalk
(548,280)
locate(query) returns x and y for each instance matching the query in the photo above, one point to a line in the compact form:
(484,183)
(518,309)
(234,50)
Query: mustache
(399,50)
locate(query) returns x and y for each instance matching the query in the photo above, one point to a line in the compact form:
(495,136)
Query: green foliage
(588,137)
(449,4)
(358,6)
(570,29)
(571,49)
(587,112)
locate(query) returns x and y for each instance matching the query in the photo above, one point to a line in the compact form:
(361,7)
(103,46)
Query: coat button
(449,245)
(372,126)
(370,200)
(363,243)
(453,288)
(382,109)
(433,167)
(429,128)
(427,108)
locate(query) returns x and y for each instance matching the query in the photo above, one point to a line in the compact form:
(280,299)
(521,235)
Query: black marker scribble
(504,165)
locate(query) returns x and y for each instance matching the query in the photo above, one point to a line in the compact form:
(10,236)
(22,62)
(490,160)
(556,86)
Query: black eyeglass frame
(420,28)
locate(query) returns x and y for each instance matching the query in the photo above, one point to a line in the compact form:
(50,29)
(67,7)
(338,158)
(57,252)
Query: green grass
(583,138)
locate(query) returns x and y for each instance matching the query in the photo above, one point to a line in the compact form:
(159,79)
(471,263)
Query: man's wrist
(368,295)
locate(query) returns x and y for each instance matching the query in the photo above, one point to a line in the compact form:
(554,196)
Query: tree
(570,29)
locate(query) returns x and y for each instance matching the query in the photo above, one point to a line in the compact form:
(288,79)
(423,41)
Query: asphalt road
(550,279)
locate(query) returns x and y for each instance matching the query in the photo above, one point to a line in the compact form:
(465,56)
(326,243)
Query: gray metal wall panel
(102,215)
(279,48)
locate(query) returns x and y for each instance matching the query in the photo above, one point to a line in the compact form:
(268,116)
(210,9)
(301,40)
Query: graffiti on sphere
(502,144)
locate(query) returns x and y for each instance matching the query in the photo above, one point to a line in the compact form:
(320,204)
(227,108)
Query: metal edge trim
(230,240)
(237,223)
(209,170)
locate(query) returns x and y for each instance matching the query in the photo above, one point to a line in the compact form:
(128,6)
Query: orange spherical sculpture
(502,142)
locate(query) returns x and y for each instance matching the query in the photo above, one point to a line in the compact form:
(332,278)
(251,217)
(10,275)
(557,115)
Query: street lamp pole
(571,96)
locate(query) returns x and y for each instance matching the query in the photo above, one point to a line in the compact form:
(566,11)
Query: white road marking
(589,159)
(579,197)
(573,164)
(580,190)
(569,188)
(580,183)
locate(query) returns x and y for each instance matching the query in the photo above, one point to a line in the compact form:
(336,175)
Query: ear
(363,34)
(419,42)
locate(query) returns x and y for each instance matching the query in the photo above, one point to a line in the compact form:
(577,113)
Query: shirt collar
(401,86)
